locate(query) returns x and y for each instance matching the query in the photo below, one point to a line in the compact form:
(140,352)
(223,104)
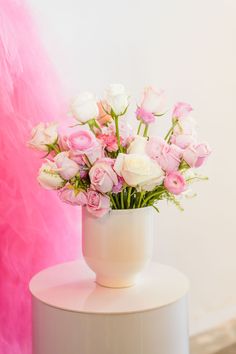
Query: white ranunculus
(67,168)
(117,98)
(49,177)
(84,107)
(153,101)
(42,135)
(139,170)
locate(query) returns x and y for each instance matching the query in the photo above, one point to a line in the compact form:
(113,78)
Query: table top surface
(71,286)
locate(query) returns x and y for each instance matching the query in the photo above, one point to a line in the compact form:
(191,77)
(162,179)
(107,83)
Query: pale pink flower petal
(68,195)
(196,154)
(175,182)
(98,204)
(181,110)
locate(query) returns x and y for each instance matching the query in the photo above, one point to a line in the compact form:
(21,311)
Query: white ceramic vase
(118,246)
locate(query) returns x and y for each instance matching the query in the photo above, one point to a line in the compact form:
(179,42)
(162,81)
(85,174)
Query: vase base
(116,283)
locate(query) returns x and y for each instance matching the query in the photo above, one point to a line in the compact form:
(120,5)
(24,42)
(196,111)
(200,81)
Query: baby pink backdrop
(36,229)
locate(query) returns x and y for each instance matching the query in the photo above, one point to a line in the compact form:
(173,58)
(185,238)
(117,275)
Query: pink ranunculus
(67,168)
(167,156)
(98,204)
(84,142)
(175,182)
(183,140)
(102,176)
(153,101)
(196,154)
(109,141)
(145,116)
(69,196)
(181,110)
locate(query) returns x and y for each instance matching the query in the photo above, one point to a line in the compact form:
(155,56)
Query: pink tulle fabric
(36,228)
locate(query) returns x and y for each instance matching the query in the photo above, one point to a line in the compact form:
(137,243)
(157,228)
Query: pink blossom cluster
(104,165)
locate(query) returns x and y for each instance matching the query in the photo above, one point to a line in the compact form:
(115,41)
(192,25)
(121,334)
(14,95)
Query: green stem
(117,201)
(118,133)
(91,125)
(139,128)
(152,196)
(122,200)
(113,201)
(128,197)
(57,148)
(169,133)
(145,130)
(140,198)
(97,125)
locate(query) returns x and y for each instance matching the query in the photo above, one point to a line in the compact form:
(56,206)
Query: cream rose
(117,98)
(42,135)
(138,145)
(49,177)
(84,107)
(138,170)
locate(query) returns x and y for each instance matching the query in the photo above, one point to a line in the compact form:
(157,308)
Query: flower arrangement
(104,165)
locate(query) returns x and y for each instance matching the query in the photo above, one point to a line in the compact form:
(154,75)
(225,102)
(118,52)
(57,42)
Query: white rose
(84,107)
(42,135)
(139,170)
(117,98)
(67,168)
(49,177)
(153,101)
(138,145)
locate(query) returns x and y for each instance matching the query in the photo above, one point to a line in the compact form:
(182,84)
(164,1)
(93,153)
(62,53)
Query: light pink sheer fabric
(36,229)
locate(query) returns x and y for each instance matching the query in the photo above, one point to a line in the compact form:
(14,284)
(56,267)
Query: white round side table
(74,315)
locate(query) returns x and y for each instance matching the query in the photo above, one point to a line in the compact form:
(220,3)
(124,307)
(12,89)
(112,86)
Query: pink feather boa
(36,229)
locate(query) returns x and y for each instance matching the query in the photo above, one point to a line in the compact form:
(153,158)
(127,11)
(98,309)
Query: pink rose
(82,163)
(183,140)
(67,168)
(181,110)
(175,182)
(153,101)
(84,142)
(196,154)
(69,196)
(63,143)
(98,204)
(167,156)
(102,176)
(145,116)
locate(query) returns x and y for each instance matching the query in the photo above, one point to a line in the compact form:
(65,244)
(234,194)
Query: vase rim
(130,210)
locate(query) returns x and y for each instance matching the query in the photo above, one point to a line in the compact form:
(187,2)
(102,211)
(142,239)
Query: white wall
(188,48)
